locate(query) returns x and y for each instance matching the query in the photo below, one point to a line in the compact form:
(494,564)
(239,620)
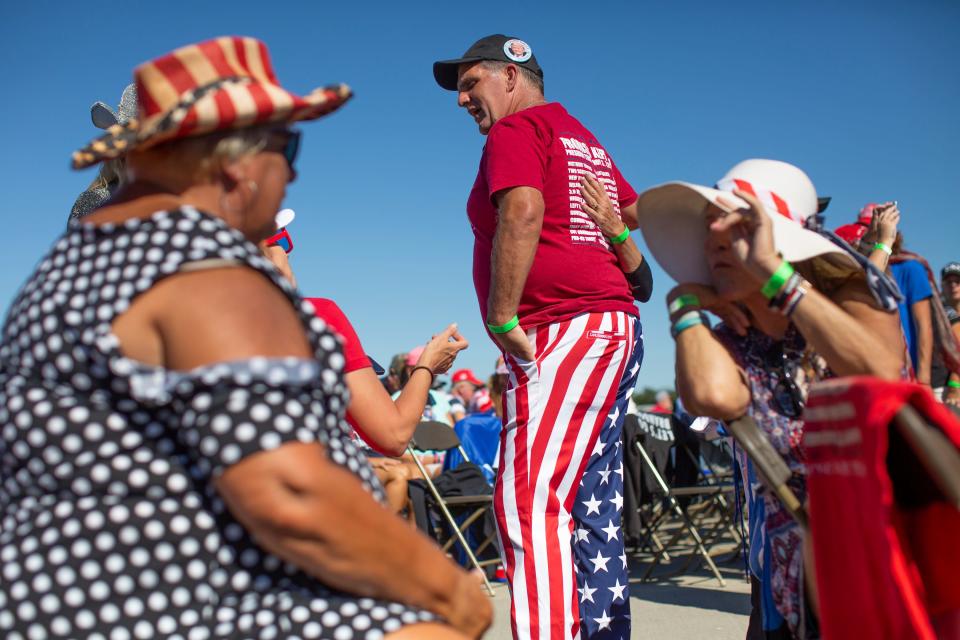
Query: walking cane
(772,470)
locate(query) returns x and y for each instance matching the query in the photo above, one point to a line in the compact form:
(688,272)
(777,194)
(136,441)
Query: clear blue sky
(864,96)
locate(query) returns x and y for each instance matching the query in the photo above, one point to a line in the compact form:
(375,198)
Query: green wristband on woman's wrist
(883,247)
(682,302)
(505,327)
(953,384)
(621,238)
(777,281)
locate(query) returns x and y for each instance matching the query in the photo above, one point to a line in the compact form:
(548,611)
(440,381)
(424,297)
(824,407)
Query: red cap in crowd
(851,233)
(465,375)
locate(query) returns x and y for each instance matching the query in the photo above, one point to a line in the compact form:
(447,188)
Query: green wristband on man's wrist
(777,281)
(621,238)
(953,384)
(505,327)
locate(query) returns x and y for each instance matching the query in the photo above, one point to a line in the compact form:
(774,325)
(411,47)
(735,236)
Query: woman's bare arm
(294,500)
(314,514)
(709,380)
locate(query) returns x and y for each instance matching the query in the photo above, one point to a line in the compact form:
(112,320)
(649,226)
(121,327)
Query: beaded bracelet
(786,301)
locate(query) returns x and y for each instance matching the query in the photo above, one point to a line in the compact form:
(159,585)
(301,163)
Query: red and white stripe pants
(555,410)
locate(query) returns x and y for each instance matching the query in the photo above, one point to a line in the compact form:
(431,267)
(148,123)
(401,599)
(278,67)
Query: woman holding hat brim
(731,249)
(173,411)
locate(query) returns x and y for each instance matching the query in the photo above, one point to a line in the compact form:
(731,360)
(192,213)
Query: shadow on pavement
(687,596)
(693,587)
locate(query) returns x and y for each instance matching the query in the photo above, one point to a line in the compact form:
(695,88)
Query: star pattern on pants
(617,501)
(586,594)
(592,505)
(601,561)
(617,590)
(612,531)
(604,620)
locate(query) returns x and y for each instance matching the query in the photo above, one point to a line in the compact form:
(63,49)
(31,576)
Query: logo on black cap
(517,50)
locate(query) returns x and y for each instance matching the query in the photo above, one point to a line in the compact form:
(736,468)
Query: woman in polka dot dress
(173,460)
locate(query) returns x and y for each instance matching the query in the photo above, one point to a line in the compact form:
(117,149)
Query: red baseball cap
(465,375)
(851,233)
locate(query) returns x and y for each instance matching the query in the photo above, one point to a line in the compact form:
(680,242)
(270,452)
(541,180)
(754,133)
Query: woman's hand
(884,224)
(280,260)
(951,396)
(751,235)
(472,613)
(731,314)
(597,205)
(442,350)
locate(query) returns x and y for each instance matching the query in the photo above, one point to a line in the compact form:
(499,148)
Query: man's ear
(512,76)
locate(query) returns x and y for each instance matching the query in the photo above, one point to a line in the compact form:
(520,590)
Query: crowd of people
(192,449)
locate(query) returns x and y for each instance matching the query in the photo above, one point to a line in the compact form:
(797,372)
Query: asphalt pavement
(688,606)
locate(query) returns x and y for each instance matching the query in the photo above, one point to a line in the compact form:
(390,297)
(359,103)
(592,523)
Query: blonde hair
(830,272)
(200,157)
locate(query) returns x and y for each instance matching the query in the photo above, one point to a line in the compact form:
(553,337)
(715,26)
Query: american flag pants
(559,490)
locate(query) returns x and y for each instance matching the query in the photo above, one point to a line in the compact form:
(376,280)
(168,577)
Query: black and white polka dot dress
(109,523)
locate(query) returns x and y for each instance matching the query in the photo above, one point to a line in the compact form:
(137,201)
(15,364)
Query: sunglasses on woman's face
(281,239)
(787,397)
(289,147)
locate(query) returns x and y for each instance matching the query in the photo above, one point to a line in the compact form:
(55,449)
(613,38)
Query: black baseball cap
(951,269)
(497,47)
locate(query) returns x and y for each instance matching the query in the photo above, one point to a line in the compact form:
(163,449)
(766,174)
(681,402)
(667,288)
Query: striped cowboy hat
(221,84)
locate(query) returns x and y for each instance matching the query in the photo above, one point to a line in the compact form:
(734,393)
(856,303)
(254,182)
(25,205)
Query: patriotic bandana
(883,288)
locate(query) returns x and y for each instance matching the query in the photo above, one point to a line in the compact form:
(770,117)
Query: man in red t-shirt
(559,306)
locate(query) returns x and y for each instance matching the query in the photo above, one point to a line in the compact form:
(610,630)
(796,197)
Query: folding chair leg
(691,529)
(453,523)
(650,536)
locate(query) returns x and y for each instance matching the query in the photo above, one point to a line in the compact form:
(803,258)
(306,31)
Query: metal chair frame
(457,530)
(687,525)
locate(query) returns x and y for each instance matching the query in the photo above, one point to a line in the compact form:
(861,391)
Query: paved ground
(691,606)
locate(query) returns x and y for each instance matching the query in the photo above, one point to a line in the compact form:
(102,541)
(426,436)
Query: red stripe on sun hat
(241,52)
(743,185)
(148,104)
(213,52)
(265,63)
(782,207)
(263,101)
(176,73)
(225,108)
(189,123)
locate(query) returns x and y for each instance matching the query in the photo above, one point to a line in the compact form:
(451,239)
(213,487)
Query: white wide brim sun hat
(672,217)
